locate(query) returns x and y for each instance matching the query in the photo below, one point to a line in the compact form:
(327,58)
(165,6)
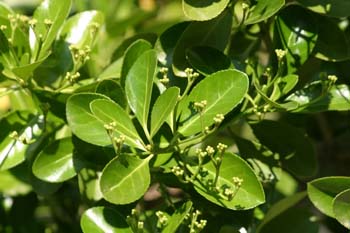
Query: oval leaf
(133,52)
(223,91)
(55,162)
(341,207)
(203,10)
(82,122)
(162,108)
(107,111)
(139,83)
(103,219)
(29,127)
(125,179)
(249,195)
(322,192)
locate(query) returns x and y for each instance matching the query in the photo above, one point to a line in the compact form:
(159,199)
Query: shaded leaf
(322,191)
(207,60)
(213,33)
(280,207)
(55,163)
(162,108)
(341,207)
(222,90)
(249,195)
(332,44)
(139,83)
(125,174)
(292,221)
(203,10)
(107,111)
(336,8)
(294,148)
(103,219)
(113,90)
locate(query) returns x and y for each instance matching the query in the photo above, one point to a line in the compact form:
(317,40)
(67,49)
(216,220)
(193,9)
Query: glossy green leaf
(80,30)
(294,148)
(336,8)
(297,30)
(283,85)
(341,208)
(134,51)
(139,83)
(162,108)
(281,207)
(248,196)
(29,127)
(82,122)
(213,33)
(177,218)
(102,220)
(107,111)
(207,60)
(203,10)
(125,179)
(310,99)
(222,90)
(55,163)
(291,221)
(113,90)
(113,70)
(263,10)
(322,191)
(56,11)
(333,43)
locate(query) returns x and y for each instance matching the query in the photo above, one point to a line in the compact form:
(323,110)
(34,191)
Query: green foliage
(174,116)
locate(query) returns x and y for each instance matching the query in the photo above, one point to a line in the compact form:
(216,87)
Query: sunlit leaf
(125,174)
(322,191)
(222,90)
(341,207)
(55,163)
(249,195)
(102,220)
(139,83)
